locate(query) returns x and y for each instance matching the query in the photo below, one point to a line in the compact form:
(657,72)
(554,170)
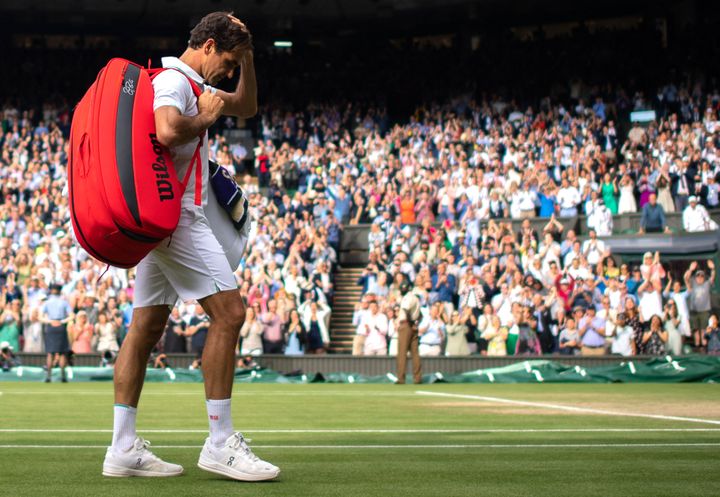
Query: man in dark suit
(683,184)
(544,324)
(700,190)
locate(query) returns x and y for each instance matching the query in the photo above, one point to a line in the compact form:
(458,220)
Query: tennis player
(192,264)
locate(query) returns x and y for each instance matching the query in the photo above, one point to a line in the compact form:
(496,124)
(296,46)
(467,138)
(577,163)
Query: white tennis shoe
(235,460)
(138,461)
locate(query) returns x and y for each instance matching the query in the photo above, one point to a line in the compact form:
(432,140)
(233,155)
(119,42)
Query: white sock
(123,428)
(220,418)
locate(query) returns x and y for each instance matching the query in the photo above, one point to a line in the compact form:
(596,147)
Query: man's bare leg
(226,452)
(49,364)
(146,328)
(129,455)
(227,313)
(62,361)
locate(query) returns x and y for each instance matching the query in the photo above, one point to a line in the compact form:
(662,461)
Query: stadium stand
(437,180)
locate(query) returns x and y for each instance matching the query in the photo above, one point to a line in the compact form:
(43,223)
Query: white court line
(568,408)
(381,431)
(399,446)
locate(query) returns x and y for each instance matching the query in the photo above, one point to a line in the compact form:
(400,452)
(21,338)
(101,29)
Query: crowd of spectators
(458,169)
(491,159)
(464,164)
(286,277)
(465,170)
(454,168)
(530,293)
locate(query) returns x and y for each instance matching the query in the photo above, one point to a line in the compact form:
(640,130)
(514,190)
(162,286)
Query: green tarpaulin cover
(661,370)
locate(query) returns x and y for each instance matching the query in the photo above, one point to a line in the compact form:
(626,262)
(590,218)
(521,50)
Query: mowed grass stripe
(380,439)
(402,446)
(560,407)
(277,411)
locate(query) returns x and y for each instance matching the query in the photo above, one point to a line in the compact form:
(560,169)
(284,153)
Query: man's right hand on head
(238,22)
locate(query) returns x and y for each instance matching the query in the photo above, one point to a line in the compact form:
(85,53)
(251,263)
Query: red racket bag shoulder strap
(196,161)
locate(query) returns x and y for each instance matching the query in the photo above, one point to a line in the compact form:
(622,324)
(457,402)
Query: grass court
(378,440)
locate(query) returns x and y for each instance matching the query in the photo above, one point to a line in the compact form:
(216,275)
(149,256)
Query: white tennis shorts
(191,265)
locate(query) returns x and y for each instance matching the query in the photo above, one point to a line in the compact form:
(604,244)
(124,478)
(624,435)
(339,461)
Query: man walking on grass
(191,265)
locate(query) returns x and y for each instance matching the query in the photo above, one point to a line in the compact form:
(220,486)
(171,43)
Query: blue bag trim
(228,192)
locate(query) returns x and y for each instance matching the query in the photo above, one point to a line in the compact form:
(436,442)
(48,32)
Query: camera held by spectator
(8,359)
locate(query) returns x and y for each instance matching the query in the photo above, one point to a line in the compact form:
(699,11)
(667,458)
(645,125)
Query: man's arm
(243,101)
(174,129)
(688,274)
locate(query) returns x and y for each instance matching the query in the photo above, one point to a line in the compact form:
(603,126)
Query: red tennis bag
(124,192)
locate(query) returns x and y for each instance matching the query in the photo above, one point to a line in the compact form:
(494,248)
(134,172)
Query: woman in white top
(447,202)
(376,327)
(392,332)
(671,323)
(251,332)
(627,203)
(32,332)
(549,250)
(679,296)
(292,279)
(650,300)
(614,293)
(456,330)
(622,337)
(515,198)
(106,333)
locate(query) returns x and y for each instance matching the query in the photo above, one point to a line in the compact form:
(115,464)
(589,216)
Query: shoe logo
(214,418)
(139,462)
(230,460)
